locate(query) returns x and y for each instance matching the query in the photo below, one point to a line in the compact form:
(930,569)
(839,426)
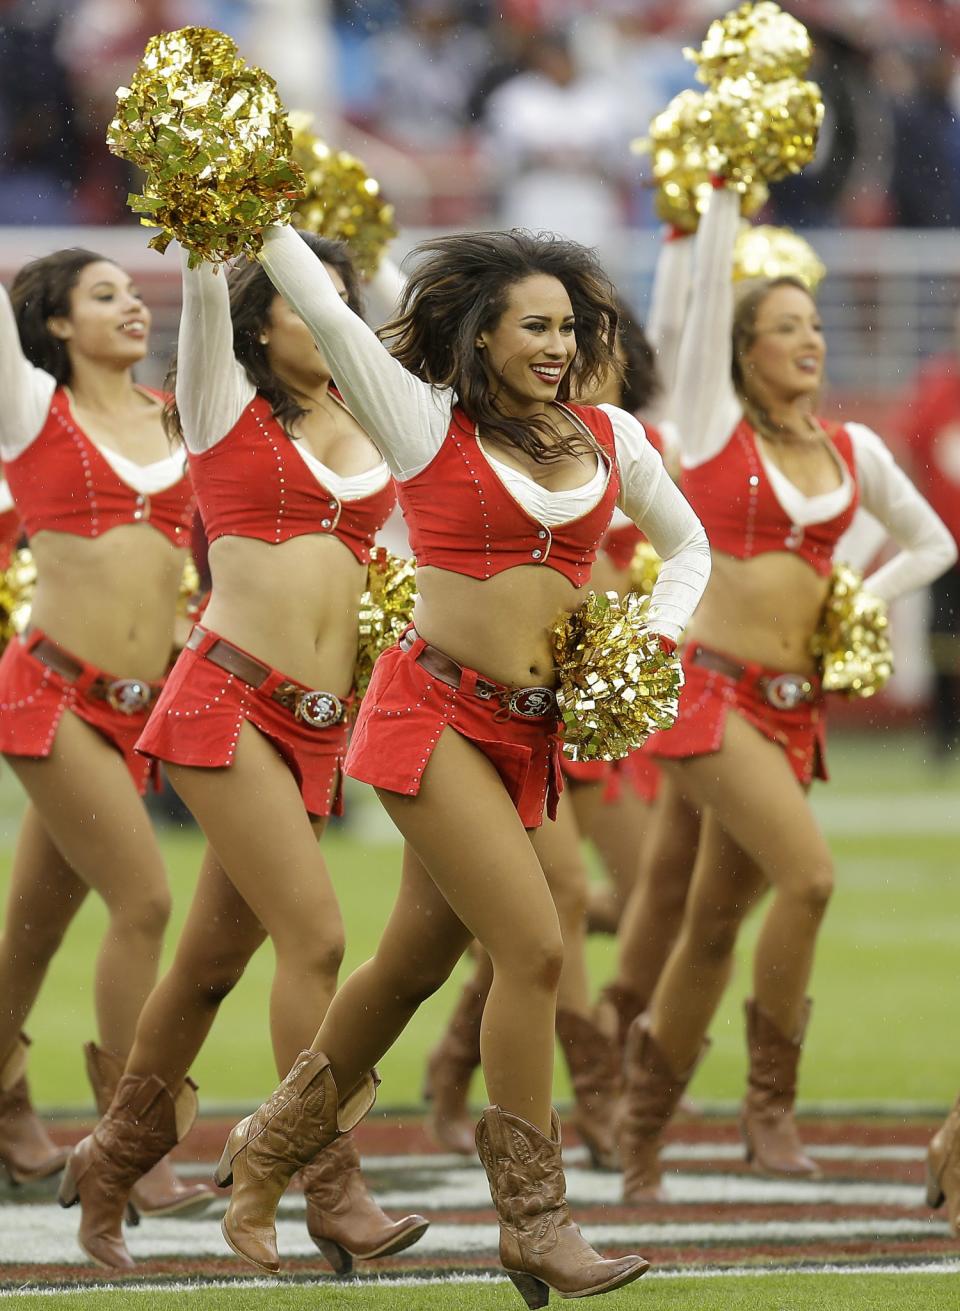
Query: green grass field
(887,982)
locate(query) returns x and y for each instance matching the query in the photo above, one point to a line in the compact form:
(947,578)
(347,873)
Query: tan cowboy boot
(158,1191)
(615,1010)
(943,1168)
(766,1117)
(540,1246)
(263,1153)
(26,1152)
(343,1219)
(652,1093)
(142,1124)
(595,1075)
(450,1068)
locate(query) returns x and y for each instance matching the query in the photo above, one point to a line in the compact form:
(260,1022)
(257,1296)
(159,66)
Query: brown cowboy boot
(343,1219)
(450,1068)
(615,1010)
(540,1246)
(943,1168)
(26,1152)
(263,1153)
(142,1124)
(651,1096)
(595,1075)
(766,1118)
(158,1192)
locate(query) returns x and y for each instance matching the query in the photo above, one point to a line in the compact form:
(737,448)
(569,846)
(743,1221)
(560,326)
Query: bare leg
(618,833)
(43,898)
(91,811)
(559,850)
(468,835)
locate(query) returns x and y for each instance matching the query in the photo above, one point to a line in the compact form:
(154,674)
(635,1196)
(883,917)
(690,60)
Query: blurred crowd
(505,110)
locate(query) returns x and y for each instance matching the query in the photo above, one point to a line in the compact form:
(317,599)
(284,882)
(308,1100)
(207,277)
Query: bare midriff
(110,600)
(765,609)
(293,605)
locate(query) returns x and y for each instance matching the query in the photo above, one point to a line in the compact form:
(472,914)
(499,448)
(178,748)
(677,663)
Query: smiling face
(783,357)
(531,347)
(107,322)
(292,353)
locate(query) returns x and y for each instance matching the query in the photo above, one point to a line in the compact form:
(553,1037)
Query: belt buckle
(319,709)
(787,691)
(532,702)
(128,695)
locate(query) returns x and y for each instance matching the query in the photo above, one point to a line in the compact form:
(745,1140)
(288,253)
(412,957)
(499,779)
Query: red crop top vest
(62,484)
(253,483)
(620,544)
(739,509)
(461,517)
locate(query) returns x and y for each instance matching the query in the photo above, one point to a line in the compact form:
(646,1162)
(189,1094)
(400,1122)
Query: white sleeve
(669,297)
(927,549)
(650,497)
(384,290)
(25,390)
(862,541)
(406,418)
(704,405)
(213,389)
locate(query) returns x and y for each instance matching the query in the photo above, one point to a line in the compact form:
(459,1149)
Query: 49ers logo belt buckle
(319,709)
(787,691)
(129,695)
(532,702)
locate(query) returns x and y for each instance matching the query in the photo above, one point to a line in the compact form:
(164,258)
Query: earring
(263,340)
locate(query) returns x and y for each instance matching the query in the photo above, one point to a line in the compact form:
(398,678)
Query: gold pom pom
(17,584)
(755,38)
(768,252)
(678,141)
(644,569)
(212,137)
(761,130)
(386,609)
(852,641)
(615,683)
(340,201)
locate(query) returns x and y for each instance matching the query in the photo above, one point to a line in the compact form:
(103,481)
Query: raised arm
(927,549)
(25,390)
(704,405)
(408,419)
(213,389)
(669,298)
(649,496)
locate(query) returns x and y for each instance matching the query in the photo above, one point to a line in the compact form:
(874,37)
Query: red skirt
(708,697)
(197,721)
(34,697)
(405,710)
(639,773)
(587,771)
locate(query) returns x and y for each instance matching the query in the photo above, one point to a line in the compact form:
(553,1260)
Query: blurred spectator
(925,180)
(558,140)
(929,422)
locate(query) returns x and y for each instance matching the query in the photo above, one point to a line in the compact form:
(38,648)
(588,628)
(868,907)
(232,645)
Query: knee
(318,954)
(816,888)
(714,936)
(147,915)
(537,965)
(216,984)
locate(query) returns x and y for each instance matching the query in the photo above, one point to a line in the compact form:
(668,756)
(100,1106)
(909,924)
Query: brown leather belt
(318,709)
(130,696)
(782,691)
(528,702)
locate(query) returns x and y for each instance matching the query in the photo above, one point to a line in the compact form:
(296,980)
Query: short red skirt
(197,722)
(639,773)
(405,710)
(33,699)
(708,697)
(586,771)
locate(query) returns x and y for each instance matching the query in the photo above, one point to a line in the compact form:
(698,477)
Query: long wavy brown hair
(460,289)
(744,332)
(41,291)
(251,296)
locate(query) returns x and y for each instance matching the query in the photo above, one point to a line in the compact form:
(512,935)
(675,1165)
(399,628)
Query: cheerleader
(776,489)
(252,728)
(507,492)
(106,507)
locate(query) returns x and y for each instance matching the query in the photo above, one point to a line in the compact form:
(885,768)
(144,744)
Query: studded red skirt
(198,717)
(34,698)
(405,710)
(708,696)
